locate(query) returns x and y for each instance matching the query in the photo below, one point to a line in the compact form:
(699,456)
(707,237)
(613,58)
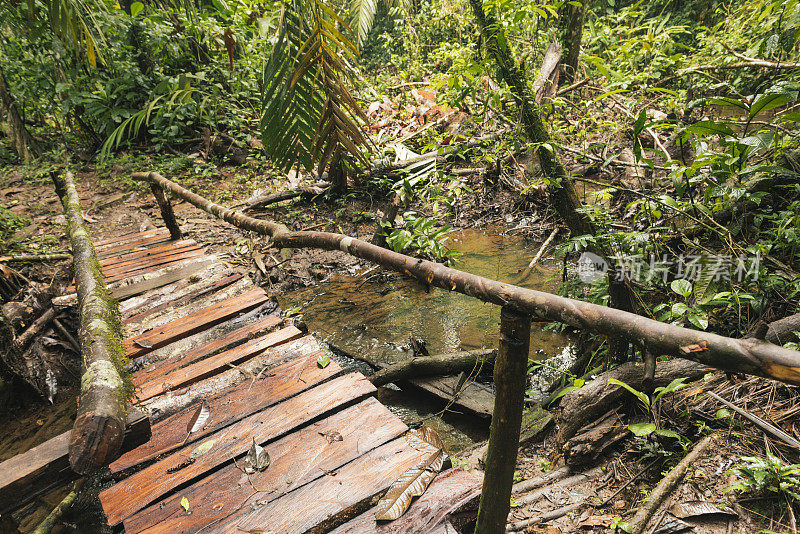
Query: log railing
(519,307)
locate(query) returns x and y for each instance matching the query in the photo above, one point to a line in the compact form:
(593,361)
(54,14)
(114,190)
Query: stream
(369,313)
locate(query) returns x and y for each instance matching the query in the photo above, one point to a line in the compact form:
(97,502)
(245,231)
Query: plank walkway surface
(201,336)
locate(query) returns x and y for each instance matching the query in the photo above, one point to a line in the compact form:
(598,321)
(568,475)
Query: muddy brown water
(364,314)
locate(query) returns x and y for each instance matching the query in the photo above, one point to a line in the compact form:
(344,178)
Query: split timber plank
(449,493)
(323,504)
(178,288)
(113,275)
(229,406)
(172,311)
(191,289)
(44,467)
(139,490)
(129,238)
(151,260)
(207,343)
(476,398)
(165,405)
(193,323)
(213,365)
(363,427)
(172,246)
(136,285)
(118,248)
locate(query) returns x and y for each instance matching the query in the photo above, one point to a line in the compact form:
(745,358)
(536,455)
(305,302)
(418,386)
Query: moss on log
(105,386)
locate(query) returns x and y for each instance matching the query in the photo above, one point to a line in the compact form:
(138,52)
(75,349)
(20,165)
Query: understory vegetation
(677,124)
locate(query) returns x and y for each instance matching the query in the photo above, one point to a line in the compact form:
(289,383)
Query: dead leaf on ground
(693,509)
(144,344)
(412,483)
(199,418)
(257,459)
(331,435)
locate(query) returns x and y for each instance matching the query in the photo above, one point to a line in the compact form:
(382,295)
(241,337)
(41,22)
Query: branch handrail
(751,356)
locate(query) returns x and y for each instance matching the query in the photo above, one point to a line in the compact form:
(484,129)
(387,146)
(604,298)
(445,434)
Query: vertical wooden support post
(510,371)
(166,211)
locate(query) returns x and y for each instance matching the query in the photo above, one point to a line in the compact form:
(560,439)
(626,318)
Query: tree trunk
(748,355)
(501,456)
(21,140)
(105,387)
(572,18)
(560,188)
(442,364)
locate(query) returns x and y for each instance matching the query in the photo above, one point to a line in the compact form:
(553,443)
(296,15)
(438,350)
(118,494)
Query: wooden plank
(118,248)
(127,256)
(128,264)
(221,339)
(46,466)
(321,505)
(193,323)
(210,366)
(450,492)
(211,279)
(128,238)
(136,285)
(284,380)
(363,427)
(148,265)
(139,490)
(171,311)
(475,398)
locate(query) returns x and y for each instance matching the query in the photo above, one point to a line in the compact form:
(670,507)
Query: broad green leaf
(709,128)
(136,8)
(642,429)
(766,102)
(323,360)
(668,433)
(639,395)
(681,287)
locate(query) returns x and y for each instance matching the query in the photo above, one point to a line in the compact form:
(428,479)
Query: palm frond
(362,17)
(309,114)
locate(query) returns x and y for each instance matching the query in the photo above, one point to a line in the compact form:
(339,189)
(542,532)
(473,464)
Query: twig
(667,485)
(547,241)
(64,332)
(58,512)
(538,482)
(549,516)
(36,257)
(628,483)
(567,482)
(768,428)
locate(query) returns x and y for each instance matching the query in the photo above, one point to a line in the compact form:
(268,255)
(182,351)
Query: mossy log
(100,424)
(441,364)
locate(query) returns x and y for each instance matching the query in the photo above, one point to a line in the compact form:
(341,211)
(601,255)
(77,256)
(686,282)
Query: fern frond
(310,115)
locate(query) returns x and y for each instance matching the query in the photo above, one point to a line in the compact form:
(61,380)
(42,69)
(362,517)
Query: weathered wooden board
(136,285)
(136,237)
(139,490)
(193,323)
(46,466)
(175,311)
(113,249)
(113,274)
(179,288)
(322,504)
(199,370)
(164,406)
(284,380)
(143,258)
(363,427)
(449,492)
(192,288)
(207,343)
(475,398)
(172,247)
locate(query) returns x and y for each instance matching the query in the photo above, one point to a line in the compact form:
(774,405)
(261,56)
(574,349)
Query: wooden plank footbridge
(222,376)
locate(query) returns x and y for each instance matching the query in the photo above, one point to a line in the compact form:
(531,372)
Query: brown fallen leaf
(331,435)
(412,483)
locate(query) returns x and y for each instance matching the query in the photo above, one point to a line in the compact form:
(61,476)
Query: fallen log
(46,526)
(443,364)
(27,475)
(105,388)
(266,200)
(667,486)
(31,258)
(750,356)
(585,448)
(587,404)
(783,330)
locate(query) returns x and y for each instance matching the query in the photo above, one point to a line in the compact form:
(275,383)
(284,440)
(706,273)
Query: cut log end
(95,442)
